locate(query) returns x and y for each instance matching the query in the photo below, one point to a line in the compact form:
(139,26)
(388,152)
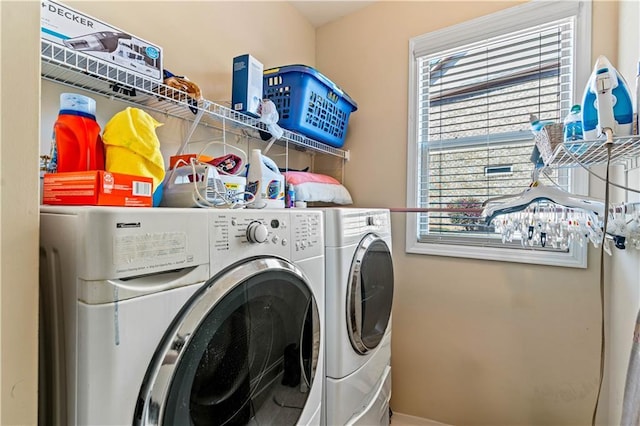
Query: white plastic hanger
(536,192)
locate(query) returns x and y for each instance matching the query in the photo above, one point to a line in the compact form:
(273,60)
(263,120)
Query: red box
(97,188)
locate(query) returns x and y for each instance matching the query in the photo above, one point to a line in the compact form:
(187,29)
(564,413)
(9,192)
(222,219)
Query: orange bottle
(77,144)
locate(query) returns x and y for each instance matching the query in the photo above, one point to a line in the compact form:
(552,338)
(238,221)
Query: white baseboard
(399,419)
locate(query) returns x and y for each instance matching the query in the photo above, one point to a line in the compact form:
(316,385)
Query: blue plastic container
(309,103)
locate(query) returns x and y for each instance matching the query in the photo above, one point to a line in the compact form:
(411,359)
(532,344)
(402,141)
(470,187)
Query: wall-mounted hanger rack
(624,151)
(561,206)
(626,159)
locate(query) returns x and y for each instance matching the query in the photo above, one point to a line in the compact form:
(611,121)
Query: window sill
(576,257)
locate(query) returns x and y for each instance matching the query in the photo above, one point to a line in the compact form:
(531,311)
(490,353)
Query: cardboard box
(63,25)
(246,87)
(97,188)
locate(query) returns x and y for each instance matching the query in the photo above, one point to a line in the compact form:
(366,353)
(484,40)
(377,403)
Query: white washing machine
(181,316)
(359,297)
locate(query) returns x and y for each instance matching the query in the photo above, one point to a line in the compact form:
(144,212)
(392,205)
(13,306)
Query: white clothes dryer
(181,316)
(359,297)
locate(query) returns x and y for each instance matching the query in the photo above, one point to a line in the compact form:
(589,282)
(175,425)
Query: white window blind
(472,87)
(473,117)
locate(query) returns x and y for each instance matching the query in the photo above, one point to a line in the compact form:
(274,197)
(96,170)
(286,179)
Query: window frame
(494,25)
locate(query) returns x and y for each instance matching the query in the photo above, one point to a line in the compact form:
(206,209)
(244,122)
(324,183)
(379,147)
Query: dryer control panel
(238,234)
(346,226)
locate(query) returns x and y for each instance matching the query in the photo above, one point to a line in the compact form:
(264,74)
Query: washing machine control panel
(257,232)
(237,234)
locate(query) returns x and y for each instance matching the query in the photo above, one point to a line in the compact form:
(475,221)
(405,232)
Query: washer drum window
(244,348)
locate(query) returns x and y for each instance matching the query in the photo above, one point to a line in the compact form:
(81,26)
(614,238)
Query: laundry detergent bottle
(265,181)
(76,145)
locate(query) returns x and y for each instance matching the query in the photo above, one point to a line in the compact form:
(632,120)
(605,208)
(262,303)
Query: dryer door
(369,294)
(243,349)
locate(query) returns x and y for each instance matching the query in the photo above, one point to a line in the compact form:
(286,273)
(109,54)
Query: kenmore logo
(128,225)
(68,14)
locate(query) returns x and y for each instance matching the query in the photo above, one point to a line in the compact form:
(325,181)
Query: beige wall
(200,40)
(19,84)
(474,342)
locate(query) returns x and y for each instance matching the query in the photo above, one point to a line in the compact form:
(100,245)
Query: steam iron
(194,185)
(606,102)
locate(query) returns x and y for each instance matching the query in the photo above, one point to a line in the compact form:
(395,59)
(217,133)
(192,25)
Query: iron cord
(602,276)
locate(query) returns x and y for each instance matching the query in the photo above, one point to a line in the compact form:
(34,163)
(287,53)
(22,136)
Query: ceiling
(323,12)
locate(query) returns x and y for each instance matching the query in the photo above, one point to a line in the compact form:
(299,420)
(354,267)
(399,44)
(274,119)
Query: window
(472,89)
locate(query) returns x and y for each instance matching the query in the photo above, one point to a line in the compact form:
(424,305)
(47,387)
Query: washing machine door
(243,349)
(369,294)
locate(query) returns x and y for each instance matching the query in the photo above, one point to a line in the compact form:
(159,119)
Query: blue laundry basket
(309,103)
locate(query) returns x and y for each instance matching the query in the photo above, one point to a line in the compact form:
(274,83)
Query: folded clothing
(228,164)
(297,178)
(317,187)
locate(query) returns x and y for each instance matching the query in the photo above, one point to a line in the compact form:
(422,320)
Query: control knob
(257,232)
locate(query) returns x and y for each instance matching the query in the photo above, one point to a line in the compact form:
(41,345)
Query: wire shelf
(75,69)
(624,151)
